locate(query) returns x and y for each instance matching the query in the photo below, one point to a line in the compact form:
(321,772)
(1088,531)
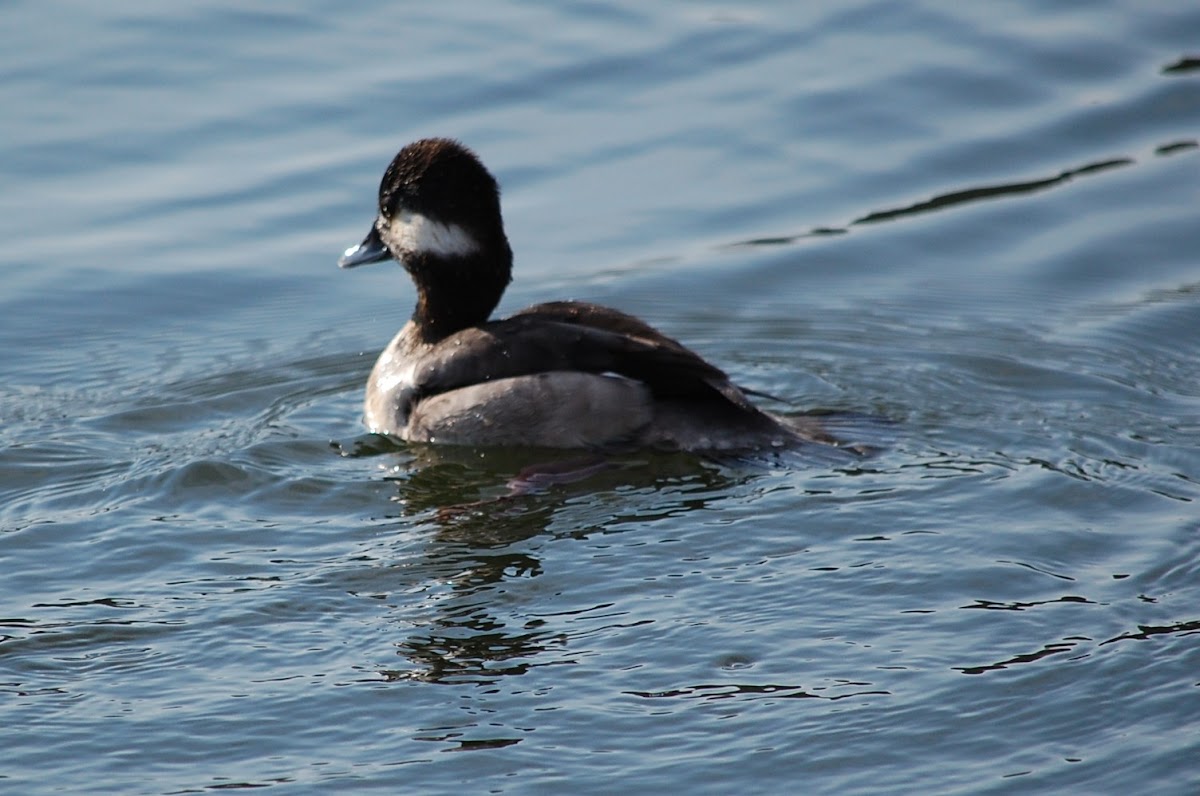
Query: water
(978,222)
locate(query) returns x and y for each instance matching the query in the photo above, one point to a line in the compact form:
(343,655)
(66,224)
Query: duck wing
(574,336)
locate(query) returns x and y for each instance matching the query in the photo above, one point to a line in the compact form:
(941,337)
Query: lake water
(980,221)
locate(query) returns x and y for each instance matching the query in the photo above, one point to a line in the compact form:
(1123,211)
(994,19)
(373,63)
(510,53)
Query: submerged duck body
(561,375)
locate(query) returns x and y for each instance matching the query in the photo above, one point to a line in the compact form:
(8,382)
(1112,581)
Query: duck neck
(456,293)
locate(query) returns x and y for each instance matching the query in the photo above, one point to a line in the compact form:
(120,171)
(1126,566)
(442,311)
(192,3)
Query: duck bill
(371,250)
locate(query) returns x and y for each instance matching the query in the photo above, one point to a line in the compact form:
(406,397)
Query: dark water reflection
(966,196)
(483,514)
(484,507)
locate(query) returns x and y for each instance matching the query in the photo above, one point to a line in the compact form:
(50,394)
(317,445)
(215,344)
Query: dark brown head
(439,215)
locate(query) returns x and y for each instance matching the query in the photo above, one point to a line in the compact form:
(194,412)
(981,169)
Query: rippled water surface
(978,222)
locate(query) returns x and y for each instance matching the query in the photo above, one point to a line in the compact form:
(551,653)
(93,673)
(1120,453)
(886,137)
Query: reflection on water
(477,543)
(969,195)
(474,649)
(966,196)
(1079,645)
(487,504)
(721,691)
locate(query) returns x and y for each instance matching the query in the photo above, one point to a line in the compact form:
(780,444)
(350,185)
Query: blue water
(977,221)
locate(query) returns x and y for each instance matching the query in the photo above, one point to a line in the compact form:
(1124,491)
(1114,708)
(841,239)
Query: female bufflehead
(565,374)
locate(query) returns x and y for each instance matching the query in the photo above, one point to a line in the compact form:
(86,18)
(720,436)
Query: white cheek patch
(417,234)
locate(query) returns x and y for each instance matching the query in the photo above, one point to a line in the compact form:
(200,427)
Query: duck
(561,374)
